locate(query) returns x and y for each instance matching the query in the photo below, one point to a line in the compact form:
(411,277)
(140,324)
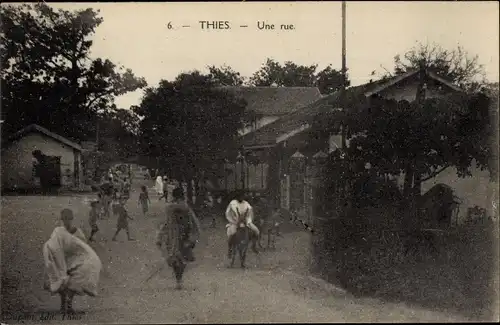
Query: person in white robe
(239,210)
(71,266)
(159,185)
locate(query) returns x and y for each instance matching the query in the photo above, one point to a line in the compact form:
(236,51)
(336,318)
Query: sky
(137,35)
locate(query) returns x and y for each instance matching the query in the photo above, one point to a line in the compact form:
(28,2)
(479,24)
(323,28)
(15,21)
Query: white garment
(237,210)
(65,252)
(159,185)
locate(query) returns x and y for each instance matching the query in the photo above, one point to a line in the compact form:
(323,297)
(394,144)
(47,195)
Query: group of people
(163,187)
(73,268)
(100,209)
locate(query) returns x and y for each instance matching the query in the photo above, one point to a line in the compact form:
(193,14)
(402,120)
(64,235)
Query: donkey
(239,243)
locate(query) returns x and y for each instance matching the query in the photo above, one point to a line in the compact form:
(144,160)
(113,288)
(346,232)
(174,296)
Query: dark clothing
(108,189)
(93,218)
(144,201)
(122,221)
(174,236)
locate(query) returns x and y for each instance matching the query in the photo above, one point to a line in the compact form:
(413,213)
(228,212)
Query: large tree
(225,76)
(420,139)
(188,123)
(118,134)
(456,65)
(48,76)
(289,74)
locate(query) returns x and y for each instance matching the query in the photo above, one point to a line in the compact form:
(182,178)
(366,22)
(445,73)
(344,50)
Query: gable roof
(268,134)
(302,118)
(375,87)
(40,129)
(275,101)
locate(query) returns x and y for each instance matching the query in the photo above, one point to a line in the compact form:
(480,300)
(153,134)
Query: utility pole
(344,72)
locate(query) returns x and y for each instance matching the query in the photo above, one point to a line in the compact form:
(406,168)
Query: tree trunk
(273,178)
(417,184)
(408,182)
(410,209)
(189,190)
(200,193)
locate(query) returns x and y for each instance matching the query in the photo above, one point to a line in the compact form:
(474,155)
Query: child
(100,206)
(122,222)
(126,189)
(165,189)
(93,214)
(58,252)
(144,199)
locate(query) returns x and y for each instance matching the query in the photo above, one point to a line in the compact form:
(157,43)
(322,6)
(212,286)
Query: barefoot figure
(144,200)
(71,265)
(122,221)
(178,234)
(93,215)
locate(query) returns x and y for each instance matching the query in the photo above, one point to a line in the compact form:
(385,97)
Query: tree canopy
(48,75)
(455,65)
(225,76)
(289,74)
(419,139)
(188,122)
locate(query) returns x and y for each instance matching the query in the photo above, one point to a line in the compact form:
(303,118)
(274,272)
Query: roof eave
(36,127)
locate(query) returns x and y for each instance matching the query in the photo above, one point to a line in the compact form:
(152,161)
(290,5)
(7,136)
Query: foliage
(225,76)
(421,140)
(272,73)
(330,80)
(187,123)
(366,257)
(456,65)
(399,136)
(118,131)
(48,77)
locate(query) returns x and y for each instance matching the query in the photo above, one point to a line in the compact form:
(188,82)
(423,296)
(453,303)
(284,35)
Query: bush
(365,254)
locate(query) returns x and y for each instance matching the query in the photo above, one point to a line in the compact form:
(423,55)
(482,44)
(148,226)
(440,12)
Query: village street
(276,289)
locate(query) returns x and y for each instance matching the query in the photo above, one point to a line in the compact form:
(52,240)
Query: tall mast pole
(344,70)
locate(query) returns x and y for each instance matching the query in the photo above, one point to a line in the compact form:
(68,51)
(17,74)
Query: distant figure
(144,200)
(93,215)
(126,189)
(107,192)
(71,265)
(122,221)
(100,206)
(165,186)
(178,234)
(159,185)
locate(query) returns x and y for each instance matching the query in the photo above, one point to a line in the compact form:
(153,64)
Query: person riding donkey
(237,211)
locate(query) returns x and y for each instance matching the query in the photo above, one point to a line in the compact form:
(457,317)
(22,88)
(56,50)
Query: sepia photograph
(249,162)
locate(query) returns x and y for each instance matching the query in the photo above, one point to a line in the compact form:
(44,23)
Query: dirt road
(274,288)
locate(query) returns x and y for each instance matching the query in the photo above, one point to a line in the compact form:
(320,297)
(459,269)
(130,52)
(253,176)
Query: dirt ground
(274,288)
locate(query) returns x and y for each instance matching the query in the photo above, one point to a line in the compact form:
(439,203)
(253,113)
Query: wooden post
(296,171)
(262,174)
